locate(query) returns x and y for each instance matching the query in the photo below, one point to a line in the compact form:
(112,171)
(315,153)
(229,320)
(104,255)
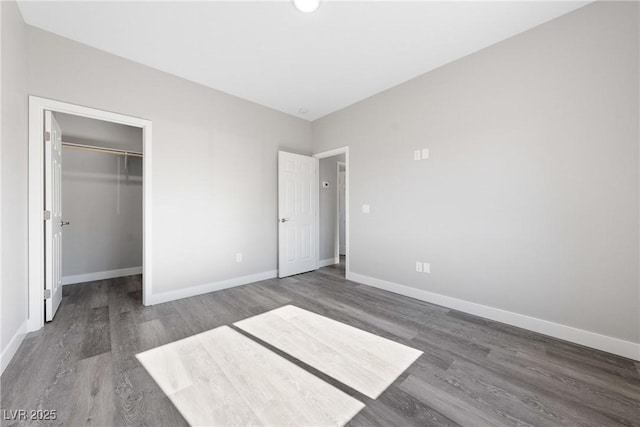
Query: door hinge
(47,293)
(47,215)
(47,136)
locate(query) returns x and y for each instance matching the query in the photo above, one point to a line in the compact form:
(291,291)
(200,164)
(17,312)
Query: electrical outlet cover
(418,266)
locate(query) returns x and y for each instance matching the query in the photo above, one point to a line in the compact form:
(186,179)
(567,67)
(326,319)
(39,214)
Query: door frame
(37,106)
(337,251)
(330,153)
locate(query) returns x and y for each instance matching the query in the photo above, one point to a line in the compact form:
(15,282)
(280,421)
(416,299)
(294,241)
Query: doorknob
(63,223)
(283,220)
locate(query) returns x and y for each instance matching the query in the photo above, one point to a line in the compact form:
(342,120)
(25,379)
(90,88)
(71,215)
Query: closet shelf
(101,149)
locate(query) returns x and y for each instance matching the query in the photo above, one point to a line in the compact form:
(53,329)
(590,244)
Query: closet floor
(473,371)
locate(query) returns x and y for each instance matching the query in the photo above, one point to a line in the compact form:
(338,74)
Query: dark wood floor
(473,372)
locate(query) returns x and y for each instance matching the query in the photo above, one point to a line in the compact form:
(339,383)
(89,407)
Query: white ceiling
(270,53)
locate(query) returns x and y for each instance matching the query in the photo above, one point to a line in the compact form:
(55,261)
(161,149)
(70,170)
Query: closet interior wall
(101,200)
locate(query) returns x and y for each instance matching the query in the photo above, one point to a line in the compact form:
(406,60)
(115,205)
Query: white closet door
(53,225)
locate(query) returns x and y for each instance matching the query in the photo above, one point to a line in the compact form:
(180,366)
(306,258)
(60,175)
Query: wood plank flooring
(361,360)
(221,377)
(473,371)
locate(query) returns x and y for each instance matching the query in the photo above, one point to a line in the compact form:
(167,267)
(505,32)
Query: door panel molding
(53,225)
(297,214)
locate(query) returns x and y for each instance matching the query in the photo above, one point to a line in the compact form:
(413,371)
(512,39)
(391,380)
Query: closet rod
(101,149)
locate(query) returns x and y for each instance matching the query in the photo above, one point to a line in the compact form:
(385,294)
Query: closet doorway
(101,202)
(89,215)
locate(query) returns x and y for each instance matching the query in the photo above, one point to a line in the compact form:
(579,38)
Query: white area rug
(363,361)
(221,377)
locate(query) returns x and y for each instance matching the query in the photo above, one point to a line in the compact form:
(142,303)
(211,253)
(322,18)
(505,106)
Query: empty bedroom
(319,213)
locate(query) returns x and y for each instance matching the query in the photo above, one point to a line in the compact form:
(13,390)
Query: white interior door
(341,210)
(53,211)
(297,214)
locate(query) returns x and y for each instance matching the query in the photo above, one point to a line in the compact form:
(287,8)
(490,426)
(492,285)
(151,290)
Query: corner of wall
(13,181)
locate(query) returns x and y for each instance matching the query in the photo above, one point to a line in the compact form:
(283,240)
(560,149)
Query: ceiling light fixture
(306,6)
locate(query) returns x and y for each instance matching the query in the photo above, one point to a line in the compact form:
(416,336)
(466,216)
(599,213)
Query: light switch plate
(418,266)
(426,267)
(366,209)
(425,153)
(416,155)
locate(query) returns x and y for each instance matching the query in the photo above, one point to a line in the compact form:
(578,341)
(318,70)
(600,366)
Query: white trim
(211,287)
(12,347)
(568,333)
(331,153)
(37,106)
(101,275)
(328,261)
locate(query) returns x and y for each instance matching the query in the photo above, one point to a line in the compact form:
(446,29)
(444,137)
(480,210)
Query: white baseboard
(328,261)
(210,287)
(568,333)
(100,275)
(12,347)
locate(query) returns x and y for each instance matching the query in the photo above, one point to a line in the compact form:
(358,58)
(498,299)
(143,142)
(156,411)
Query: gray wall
(214,158)
(103,202)
(13,154)
(328,206)
(529,201)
